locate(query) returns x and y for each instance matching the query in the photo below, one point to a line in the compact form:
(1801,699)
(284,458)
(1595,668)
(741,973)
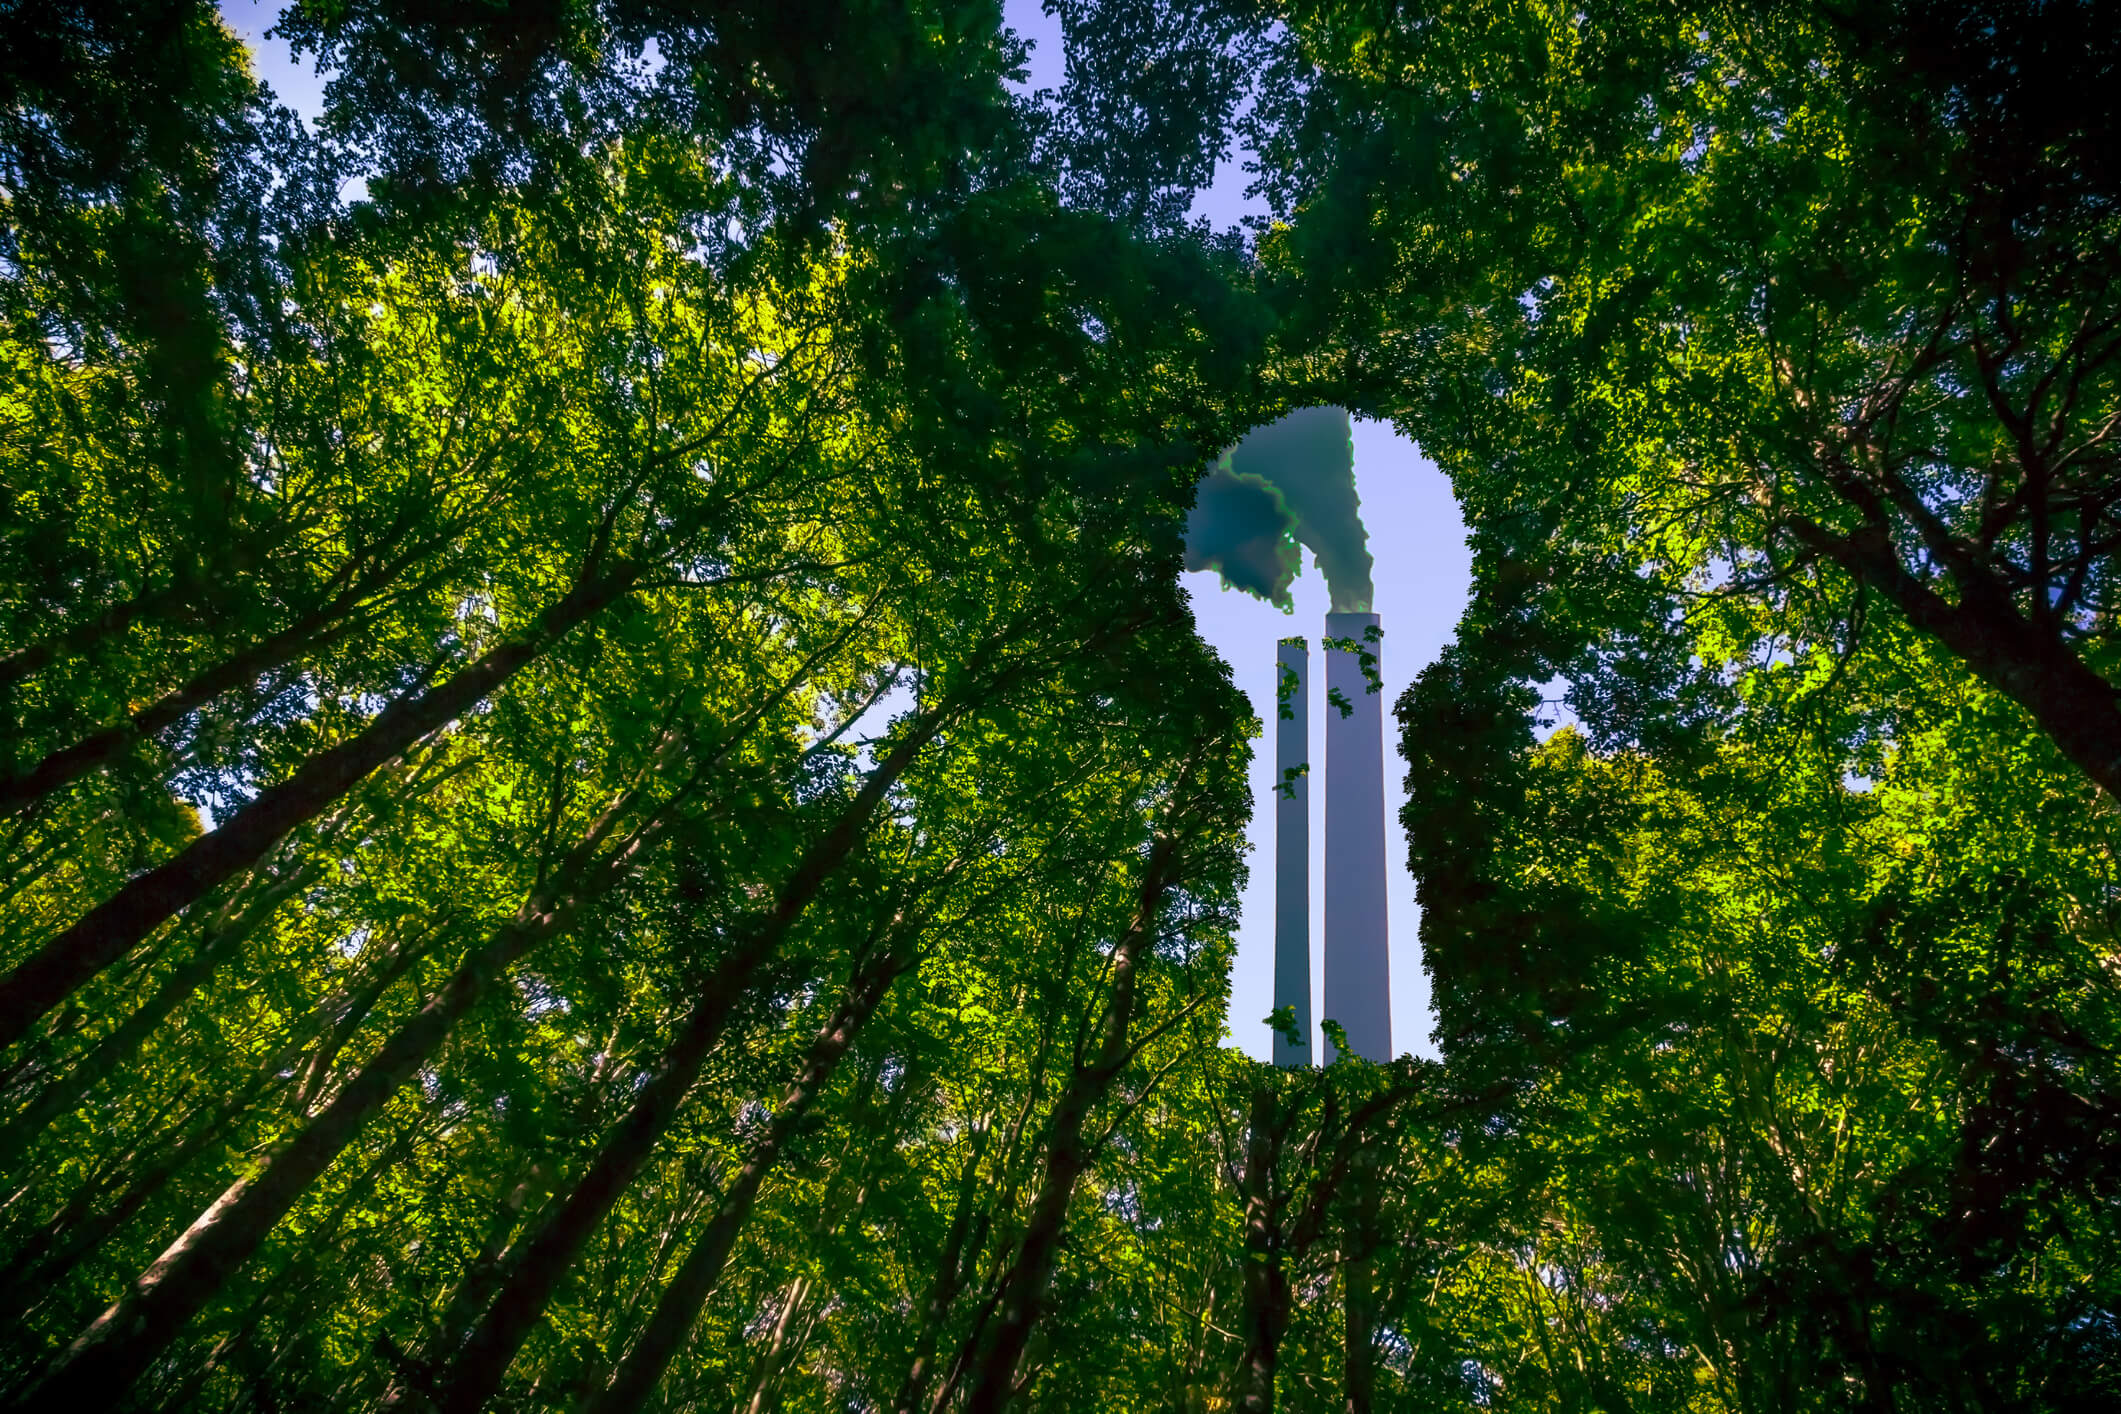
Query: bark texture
(1266,1285)
(475,1374)
(114,927)
(2078,709)
(1068,1146)
(108,1357)
(635,1380)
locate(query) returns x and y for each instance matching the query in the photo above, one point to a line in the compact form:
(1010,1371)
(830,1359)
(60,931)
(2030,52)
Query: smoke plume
(1242,528)
(1291,482)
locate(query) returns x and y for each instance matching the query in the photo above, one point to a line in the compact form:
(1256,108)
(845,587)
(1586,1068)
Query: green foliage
(675,597)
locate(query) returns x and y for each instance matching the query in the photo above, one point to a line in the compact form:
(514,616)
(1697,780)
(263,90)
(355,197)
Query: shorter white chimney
(1292,847)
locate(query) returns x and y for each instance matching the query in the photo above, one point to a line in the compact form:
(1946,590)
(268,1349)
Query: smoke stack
(1358,958)
(1292,847)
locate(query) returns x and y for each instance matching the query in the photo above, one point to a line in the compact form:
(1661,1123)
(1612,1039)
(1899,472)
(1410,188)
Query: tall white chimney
(1292,847)
(1358,956)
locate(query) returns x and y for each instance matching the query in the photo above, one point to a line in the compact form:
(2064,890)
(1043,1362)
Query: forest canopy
(609,799)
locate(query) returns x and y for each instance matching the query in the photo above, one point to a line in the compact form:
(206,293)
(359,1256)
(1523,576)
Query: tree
(610,799)
(1795,310)
(1705,981)
(563,564)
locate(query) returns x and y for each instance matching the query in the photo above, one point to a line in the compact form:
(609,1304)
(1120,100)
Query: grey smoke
(1291,482)
(1242,527)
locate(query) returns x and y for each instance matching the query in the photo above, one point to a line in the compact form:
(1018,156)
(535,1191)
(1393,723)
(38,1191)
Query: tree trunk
(1068,1153)
(114,927)
(309,634)
(476,1372)
(106,1359)
(951,1271)
(314,630)
(535,1273)
(637,1375)
(34,658)
(63,766)
(766,1379)
(76,1233)
(1266,1280)
(860,1152)
(1359,1305)
(347,1012)
(1002,1200)
(294,1279)
(64,1094)
(413,1384)
(2078,709)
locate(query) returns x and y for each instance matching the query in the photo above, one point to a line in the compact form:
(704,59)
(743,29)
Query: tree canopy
(609,799)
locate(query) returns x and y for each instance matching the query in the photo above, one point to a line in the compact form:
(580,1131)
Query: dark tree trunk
(67,764)
(860,1153)
(346,1013)
(315,630)
(952,1270)
(637,1375)
(62,1095)
(1359,1304)
(292,1281)
(1333,1169)
(535,1273)
(981,1217)
(114,927)
(266,1077)
(34,658)
(412,1386)
(2078,709)
(476,1372)
(366,573)
(1266,1281)
(766,1377)
(106,1359)
(79,1231)
(1068,1150)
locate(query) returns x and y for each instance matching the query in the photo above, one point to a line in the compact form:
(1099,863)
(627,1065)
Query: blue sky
(1423,571)
(1422,575)
(295,84)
